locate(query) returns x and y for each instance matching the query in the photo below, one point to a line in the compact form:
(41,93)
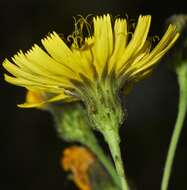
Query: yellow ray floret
(42,100)
(112,48)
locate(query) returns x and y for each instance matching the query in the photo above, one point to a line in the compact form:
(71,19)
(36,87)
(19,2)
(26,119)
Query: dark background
(29,148)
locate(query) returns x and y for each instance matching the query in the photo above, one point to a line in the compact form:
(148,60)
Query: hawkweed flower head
(107,60)
(94,69)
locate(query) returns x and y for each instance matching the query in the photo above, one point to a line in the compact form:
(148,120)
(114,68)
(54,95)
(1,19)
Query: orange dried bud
(78,160)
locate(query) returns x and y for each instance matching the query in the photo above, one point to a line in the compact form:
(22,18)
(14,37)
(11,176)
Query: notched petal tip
(5,62)
(50,36)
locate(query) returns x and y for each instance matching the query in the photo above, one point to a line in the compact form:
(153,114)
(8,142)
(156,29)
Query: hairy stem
(182,107)
(113,141)
(96,149)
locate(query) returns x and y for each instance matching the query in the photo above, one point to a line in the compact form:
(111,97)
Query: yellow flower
(94,69)
(111,53)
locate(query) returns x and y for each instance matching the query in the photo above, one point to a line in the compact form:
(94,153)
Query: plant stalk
(112,138)
(182,108)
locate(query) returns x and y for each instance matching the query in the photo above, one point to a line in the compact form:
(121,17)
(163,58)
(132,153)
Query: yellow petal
(33,84)
(157,53)
(137,42)
(103,41)
(120,38)
(40,100)
(27,79)
(85,60)
(33,99)
(38,57)
(56,47)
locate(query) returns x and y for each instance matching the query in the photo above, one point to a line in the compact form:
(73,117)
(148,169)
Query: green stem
(113,141)
(105,161)
(177,129)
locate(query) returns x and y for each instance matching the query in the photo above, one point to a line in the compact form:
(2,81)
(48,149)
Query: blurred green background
(29,147)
